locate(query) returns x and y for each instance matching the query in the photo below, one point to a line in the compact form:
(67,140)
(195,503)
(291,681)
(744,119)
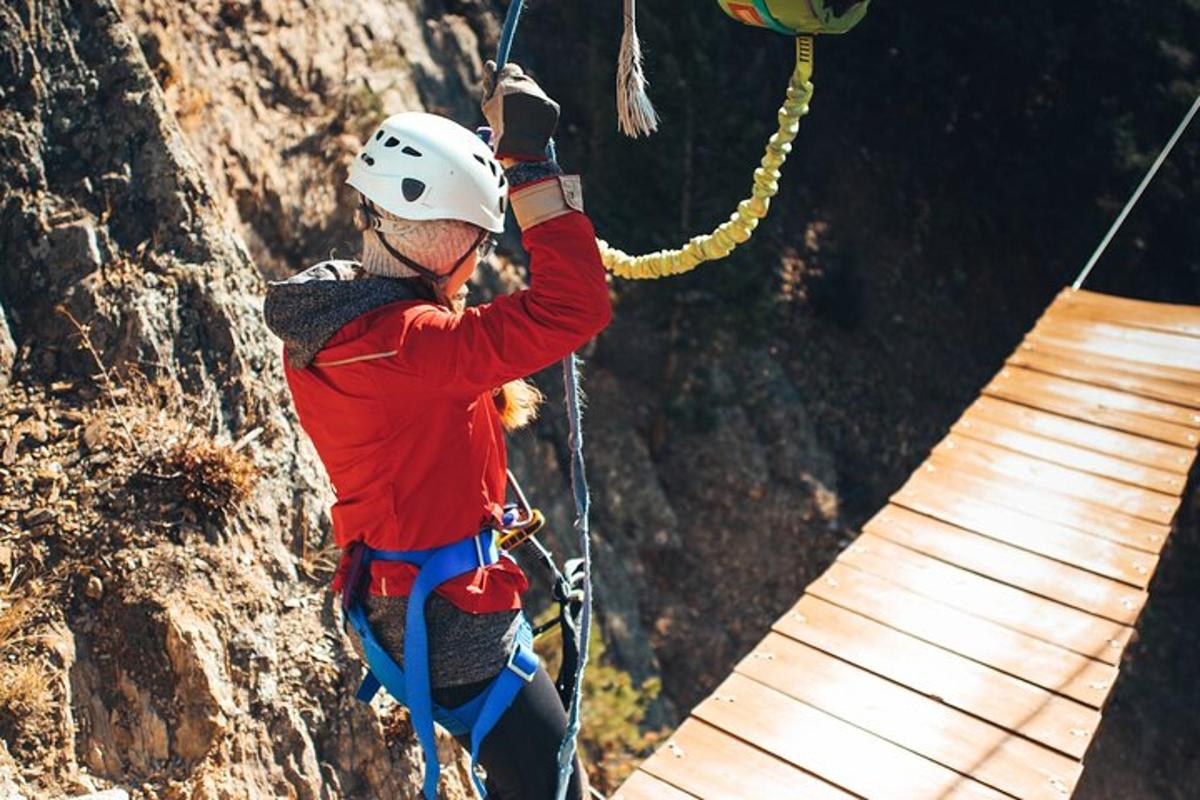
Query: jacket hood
(307,309)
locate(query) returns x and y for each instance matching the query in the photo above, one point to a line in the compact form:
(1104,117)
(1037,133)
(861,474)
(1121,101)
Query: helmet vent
(391,142)
(479,158)
(370,161)
(503,205)
(379,134)
(411,151)
(412,189)
(502,181)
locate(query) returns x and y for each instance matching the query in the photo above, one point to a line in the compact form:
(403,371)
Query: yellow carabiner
(514,537)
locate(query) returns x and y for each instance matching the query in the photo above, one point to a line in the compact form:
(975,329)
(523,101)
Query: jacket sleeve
(516,335)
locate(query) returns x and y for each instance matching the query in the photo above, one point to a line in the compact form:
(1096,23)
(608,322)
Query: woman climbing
(406,394)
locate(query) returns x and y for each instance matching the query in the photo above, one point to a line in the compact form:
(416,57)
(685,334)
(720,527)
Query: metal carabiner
(517,531)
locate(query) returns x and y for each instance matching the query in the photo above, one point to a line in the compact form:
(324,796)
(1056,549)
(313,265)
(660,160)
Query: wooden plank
(1170,317)
(1043,500)
(1057,335)
(1171,344)
(1030,390)
(990,754)
(1013,608)
(982,458)
(1052,667)
(713,765)
(1069,455)
(1147,380)
(1073,351)
(1174,366)
(1053,720)
(1139,415)
(1144,375)
(1093,413)
(1039,536)
(1117,444)
(1140,534)
(830,748)
(1019,568)
(1061,494)
(644,786)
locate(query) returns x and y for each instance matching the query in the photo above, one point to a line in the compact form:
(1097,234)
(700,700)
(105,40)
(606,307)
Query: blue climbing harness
(410,685)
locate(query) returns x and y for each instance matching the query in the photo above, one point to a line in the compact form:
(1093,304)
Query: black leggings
(521,753)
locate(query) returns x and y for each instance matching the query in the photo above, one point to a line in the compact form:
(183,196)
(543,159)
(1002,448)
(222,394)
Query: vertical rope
(508,32)
(579,487)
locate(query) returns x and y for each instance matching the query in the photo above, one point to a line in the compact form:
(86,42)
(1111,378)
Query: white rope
(1137,194)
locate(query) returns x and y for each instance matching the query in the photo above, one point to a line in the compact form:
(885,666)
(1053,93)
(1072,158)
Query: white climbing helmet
(422,166)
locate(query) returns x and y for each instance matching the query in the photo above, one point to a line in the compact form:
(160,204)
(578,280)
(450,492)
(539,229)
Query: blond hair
(518,403)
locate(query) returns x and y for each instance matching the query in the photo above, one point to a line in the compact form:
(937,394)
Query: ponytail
(518,402)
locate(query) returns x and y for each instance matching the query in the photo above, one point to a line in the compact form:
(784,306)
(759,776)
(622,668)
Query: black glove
(522,117)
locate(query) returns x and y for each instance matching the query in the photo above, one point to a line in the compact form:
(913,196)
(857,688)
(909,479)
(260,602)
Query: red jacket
(399,405)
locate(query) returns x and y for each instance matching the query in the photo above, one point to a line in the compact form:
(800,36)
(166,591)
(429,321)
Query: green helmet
(797,17)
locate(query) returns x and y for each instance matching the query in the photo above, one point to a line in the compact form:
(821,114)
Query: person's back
(385,433)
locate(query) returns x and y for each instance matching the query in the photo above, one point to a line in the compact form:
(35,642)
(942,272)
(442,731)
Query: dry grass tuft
(24,680)
(24,692)
(212,477)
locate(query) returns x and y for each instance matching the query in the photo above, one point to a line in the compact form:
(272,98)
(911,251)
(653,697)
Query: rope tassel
(635,113)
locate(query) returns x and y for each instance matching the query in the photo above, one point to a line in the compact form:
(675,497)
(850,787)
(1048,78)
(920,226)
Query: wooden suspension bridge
(964,645)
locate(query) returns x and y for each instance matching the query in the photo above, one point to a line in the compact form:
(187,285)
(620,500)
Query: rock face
(275,96)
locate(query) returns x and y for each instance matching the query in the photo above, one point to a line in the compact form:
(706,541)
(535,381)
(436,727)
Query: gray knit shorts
(463,647)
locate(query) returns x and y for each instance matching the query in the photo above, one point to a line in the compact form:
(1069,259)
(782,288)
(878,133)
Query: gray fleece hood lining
(307,309)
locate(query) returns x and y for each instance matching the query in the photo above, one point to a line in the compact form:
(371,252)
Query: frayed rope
(635,113)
